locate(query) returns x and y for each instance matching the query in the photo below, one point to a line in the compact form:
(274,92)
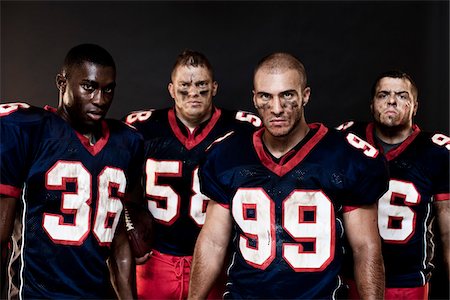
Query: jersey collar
(289,164)
(194,138)
(393,153)
(99,145)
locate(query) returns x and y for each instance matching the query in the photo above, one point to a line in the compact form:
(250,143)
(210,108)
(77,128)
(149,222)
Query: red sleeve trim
(227,206)
(442,197)
(346,209)
(9,190)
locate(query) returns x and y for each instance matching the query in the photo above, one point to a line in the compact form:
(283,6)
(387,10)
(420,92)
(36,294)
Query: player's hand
(142,260)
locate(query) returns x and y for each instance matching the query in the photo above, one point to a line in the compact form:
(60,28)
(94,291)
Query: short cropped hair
(190,58)
(280,61)
(395,74)
(87,53)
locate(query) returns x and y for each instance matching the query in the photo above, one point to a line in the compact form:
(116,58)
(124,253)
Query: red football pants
(166,276)
(419,293)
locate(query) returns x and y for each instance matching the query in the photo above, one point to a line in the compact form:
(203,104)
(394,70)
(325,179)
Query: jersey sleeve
(210,183)
(18,133)
(367,176)
(135,191)
(442,179)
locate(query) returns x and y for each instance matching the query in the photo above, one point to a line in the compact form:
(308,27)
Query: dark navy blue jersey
(171,179)
(72,195)
(419,176)
(287,216)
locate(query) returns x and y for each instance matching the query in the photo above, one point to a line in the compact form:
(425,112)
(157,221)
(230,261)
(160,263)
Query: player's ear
(416,105)
(254,99)
(215,87)
(306,93)
(171,89)
(61,82)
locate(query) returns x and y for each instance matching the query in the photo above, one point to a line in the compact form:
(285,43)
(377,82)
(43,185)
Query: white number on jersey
(78,203)
(7,108)
(441,140)
(170,212)
(248,117)
(254,212)
(138,116)
(396,221)
(345,125)
(359,143)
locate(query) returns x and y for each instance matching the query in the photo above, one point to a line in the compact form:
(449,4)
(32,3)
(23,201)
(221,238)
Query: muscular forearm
(369,274)
(123,267)
(207,264)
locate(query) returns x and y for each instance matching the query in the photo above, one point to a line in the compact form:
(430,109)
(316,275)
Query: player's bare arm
(7,214)
(443,219)
(210,250)
(362,233)
(122,265)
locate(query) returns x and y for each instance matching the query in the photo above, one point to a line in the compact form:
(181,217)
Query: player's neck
(280,145)
(192,123)
(393,135)
(92,133)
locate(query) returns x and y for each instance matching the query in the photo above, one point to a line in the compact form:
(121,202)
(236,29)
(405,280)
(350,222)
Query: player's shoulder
(232,141)
(123,130)
(22,113)
(241,119)
(138,118)
(435,142)
(357,127)
(351,142)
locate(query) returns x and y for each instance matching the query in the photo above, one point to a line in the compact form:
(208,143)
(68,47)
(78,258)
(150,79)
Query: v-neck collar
(192,139)
(395,152)
(289,164)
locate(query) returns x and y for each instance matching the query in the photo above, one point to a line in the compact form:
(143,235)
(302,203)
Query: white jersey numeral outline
(402,214)
(78,203)
(163,192)
(254,212)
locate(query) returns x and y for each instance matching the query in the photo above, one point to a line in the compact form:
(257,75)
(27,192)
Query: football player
(418,186)
(176,139)
(286,195)
(72,169)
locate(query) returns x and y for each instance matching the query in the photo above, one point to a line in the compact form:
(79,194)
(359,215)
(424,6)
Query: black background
(343,45)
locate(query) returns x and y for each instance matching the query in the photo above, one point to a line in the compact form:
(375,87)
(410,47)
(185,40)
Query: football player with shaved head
(286,198)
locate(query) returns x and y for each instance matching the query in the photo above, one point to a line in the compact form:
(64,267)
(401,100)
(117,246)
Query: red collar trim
(99,145)
(393,153)
(282,169)
(192,140)
(95,149)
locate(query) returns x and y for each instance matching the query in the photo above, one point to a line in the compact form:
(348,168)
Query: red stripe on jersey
(346,209)
(191,140)
(10,191)
(282,169)
(393,153)
(99,145)
(442,197)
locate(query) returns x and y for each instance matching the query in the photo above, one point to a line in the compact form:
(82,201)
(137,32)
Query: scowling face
(279,99)
(193,89)
(394,103)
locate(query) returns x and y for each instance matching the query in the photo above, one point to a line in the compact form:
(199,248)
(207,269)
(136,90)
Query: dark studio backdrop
(343,45)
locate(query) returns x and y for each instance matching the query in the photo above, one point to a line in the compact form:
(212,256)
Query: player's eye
(287,95)
(108,90)
(403,96)
(88,87)
(202,84)
(265,96)
(382,96)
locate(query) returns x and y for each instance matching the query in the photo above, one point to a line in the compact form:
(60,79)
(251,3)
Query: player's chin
(278,131)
